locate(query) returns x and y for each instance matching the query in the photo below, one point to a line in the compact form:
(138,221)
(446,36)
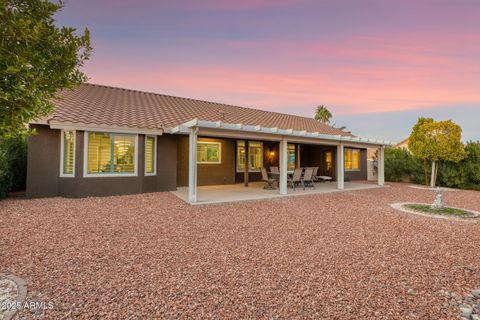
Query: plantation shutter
(68,151)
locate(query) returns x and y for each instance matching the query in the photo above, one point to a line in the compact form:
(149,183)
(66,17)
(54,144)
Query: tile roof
(93,104)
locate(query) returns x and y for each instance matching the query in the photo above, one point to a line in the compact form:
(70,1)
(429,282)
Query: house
(402,145)
(101,140)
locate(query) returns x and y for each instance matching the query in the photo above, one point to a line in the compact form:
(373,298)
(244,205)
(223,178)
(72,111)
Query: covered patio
(218,183)
(256,191)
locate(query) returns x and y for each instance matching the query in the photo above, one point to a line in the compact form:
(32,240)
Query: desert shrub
(400,165)
(466,173)
(13,164)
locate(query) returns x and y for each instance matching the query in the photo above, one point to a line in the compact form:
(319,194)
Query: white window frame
(359,159)
(219,152)
(100,175)
(246,160)
(154,173)
(62,148)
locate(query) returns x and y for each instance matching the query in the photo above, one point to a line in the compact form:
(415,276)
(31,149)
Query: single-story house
(402,144)
(101,140)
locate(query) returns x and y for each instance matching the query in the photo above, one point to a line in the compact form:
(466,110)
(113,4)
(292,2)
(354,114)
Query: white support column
(192,165)
(283,165)
(381,166)
(340,167)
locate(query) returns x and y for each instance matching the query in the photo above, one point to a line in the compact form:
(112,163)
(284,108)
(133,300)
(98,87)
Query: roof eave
(104,128)
(184,128)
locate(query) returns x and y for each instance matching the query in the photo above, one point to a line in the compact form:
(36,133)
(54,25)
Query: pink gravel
(341,255)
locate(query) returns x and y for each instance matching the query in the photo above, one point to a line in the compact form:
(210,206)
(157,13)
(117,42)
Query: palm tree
(323,115)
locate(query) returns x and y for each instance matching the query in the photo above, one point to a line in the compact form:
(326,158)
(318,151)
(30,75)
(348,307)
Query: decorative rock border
(12,290)
(401,207)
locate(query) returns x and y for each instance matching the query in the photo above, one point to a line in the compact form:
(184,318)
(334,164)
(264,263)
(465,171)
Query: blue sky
(376,64)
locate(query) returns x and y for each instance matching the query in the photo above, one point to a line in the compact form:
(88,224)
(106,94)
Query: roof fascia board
(103,128)
(39,121)
(283,132)
(240,135)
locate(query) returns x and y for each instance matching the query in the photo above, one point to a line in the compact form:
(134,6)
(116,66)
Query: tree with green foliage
(436,141)
(322,114)
(464,174)
(37,60)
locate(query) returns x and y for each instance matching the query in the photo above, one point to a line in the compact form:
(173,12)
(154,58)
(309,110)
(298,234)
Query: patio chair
(315,171)
(269,180)
(325,178)
(308,178)
(296,178)
(274,170)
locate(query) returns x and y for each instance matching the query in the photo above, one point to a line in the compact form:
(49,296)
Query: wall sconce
(271,156)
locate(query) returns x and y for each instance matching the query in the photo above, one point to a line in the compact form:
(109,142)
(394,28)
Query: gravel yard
(341,255)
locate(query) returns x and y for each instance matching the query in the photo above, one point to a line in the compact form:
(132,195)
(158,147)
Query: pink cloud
(351,75)
(298,93)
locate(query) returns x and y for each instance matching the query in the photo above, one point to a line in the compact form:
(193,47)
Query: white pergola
(284,136)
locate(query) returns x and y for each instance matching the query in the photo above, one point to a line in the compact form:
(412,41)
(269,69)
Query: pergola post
(381,166)
(192,165)
(340,167)
(283,165)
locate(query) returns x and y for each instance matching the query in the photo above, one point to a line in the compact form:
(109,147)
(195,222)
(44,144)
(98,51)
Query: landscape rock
(344,255)
(476,293)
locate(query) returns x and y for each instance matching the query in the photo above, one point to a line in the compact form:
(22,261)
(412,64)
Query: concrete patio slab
(255,191)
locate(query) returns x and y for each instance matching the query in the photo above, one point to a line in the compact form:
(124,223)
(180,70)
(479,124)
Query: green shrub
(400,165)
(13,165)
(466,173)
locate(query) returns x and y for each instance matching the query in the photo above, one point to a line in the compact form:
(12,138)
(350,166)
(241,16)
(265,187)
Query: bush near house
(401,165)
(466,173)
(13,164)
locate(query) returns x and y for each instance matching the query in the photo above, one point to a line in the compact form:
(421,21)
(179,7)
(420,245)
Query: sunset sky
(377,65)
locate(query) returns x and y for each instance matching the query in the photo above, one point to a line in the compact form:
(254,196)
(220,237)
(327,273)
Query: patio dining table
(276,175)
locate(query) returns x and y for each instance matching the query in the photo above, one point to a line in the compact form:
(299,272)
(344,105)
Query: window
(328,161)
(67,168)
(150,155)
(110,154)
(291,157)
(255,156)
(209,152)
(352,159)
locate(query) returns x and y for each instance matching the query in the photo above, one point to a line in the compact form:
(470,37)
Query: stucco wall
(43,162)
(363,172)
(208,174)
(43,173)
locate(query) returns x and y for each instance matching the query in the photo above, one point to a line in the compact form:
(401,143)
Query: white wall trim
(62,148)
(155,151)
(101,175)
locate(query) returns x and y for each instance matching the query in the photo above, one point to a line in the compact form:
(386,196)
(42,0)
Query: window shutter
(68,151)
